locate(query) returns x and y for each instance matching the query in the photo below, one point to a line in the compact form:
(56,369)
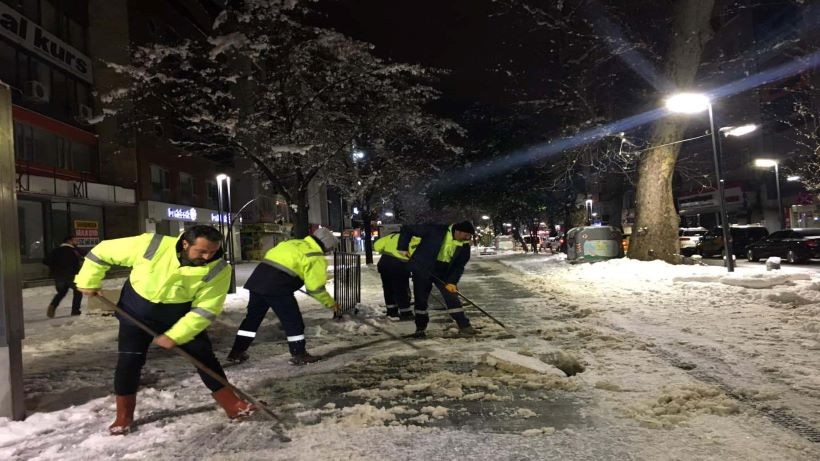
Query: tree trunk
(654,235)
(301,225)
(367,219)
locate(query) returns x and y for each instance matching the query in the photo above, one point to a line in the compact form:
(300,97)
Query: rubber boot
(51,310)
(238,357)
(303,359)
(393,311)
(233,405)
(125,415)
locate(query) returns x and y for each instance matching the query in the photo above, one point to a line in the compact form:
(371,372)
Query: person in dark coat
(65,262)
(438,260)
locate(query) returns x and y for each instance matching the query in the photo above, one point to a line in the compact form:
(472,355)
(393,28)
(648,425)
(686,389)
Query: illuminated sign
(215,217)
(183,214)
(18,28)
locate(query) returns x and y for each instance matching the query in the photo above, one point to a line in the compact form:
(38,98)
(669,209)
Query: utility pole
(11,299)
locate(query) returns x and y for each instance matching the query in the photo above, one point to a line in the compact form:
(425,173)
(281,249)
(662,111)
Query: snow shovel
(471,302)
(201,366)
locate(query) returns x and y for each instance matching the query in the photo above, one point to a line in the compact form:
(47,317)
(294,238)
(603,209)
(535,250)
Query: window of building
(31,9)
(8,59)
(63,153)
(32,234)
(49,16)
(186,188)
(84,158)
(23,139)
(59,92)
(160,183)
(213,195)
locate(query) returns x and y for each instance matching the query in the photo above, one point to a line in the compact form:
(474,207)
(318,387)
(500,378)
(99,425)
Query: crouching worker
(395,274)
(177,287)
(287,267)
(438,260)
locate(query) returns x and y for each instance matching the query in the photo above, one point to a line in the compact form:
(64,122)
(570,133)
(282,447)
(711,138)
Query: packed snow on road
(613,360)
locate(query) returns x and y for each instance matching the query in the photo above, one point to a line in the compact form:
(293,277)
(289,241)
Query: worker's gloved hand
(164,342)
(451,287)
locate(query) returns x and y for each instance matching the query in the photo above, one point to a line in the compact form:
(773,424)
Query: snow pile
(517,363)
(676,405)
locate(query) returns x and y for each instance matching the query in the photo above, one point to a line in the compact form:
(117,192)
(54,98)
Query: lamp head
(765,162)
(688,103)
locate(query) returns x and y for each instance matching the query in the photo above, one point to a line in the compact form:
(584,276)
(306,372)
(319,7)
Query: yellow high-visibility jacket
(296,262)
(158,276)
(388,245)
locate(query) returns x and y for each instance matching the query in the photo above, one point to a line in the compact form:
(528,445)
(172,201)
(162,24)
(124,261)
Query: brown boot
(51,310)
(233,405)
(125,415)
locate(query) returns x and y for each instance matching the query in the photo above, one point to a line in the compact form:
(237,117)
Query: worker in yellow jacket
(285,268)
(177,286)
(395,274)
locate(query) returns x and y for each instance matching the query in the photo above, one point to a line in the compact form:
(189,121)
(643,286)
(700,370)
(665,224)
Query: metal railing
(347,280)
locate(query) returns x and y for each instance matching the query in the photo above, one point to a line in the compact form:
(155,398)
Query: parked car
(794,245)
(711,243)
(556,243)
(594,243)
(689,238)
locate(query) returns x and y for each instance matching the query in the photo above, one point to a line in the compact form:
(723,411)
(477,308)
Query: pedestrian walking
(438,260)
(395,274)
(177,286)
(64,263)
(285,268)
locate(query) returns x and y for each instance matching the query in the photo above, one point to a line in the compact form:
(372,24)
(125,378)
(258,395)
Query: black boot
(392,311)
(238,357)
(303,359)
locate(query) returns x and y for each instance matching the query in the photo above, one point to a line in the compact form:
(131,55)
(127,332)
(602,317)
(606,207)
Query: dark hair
(69,238)
(195,232)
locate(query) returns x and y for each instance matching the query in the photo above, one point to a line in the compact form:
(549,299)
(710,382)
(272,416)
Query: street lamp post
(227,225)
(693,103)
(768,163)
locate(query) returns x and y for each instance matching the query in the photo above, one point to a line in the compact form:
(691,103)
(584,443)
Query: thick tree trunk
(654,235)
(301,225)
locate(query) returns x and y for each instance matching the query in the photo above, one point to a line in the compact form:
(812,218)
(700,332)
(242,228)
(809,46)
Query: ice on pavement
(674,362)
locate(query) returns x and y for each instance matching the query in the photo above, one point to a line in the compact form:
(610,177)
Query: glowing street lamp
(389,214)
(739,130)
(485,217)
(793,178)
(693,103)
(769,163)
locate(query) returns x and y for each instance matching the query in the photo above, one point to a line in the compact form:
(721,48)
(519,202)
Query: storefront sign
(182,214)
(87,233)
(18,28)
(225,217)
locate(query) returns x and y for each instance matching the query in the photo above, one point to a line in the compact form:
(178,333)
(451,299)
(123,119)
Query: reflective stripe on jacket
(388,245)
(305,260)
(158,276)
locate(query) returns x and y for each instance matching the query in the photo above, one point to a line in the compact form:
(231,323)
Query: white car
(689,238)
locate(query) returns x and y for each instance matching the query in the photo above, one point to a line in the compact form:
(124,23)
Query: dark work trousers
(133,347)
(422,286)
(395,275)
(286,309)
(62,287)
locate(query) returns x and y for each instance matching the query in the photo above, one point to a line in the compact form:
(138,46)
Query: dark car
(794,245)
(711,243)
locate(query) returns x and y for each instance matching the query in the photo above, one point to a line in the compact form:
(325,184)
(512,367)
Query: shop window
(87,224)
(160,183)
(45,147)
(30,219)
(23,148)
(84,158)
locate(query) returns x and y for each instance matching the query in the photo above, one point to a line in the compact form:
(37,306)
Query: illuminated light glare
(793,178)
(741,130)
(765,162)
(687,103)
(221,177)
(485,217)
(388,213)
